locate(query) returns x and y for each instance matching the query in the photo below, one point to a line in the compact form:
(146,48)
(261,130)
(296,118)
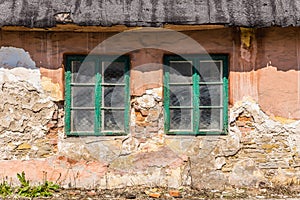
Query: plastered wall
(264,63)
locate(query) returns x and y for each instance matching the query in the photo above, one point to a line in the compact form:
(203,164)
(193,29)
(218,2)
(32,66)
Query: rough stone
(147,115)
(26,111)
(245,173)
(220,162)
(146,101)
(160,158)
(24,146)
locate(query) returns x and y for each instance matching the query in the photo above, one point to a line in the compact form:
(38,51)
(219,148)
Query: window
(196,94)
(97,95)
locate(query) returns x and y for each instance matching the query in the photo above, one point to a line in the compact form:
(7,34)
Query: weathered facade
(261,142)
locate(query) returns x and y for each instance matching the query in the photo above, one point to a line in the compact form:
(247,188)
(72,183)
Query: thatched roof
(248,13)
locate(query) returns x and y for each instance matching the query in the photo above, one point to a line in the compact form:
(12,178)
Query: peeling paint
(247,35)
(52,89)
(16,65)
(11,57)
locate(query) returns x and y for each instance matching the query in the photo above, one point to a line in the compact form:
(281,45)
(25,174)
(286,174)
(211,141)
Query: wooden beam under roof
(117,28)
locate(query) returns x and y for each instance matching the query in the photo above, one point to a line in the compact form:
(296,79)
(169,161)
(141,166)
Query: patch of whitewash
(17,65)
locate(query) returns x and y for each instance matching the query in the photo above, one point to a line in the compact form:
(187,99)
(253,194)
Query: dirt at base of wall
(182,193)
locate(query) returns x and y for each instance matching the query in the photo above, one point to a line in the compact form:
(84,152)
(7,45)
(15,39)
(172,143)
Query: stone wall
(268,150)
(261,148)
(258,150)
(147,114)
(26,115)
(26,112)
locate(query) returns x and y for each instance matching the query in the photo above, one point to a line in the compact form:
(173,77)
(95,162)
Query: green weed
(26,190)
(5,188)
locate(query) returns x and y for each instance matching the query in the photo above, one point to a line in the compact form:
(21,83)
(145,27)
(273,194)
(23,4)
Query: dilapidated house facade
(158,93)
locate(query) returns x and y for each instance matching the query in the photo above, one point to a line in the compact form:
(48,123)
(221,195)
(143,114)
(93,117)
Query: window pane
(211,118)
(210,95)
(210,71)
(75,68)
(114,96)
(180,95)
(113,120)
(82,120)
(180,72)
(180,119)
(114,72)
(83,72)
(83,96)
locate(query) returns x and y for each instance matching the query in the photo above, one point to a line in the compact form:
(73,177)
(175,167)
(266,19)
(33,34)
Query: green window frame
(97,96)
(196,94)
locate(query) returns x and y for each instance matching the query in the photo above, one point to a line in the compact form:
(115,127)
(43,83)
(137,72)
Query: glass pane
(210,71)
(82,120)
(83,72)
(113,120)
(211,118)
(75,68)
(114,72)
(114,96)
(180,119)
(83,97)
(210,95)
(180,95)
(180,72)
